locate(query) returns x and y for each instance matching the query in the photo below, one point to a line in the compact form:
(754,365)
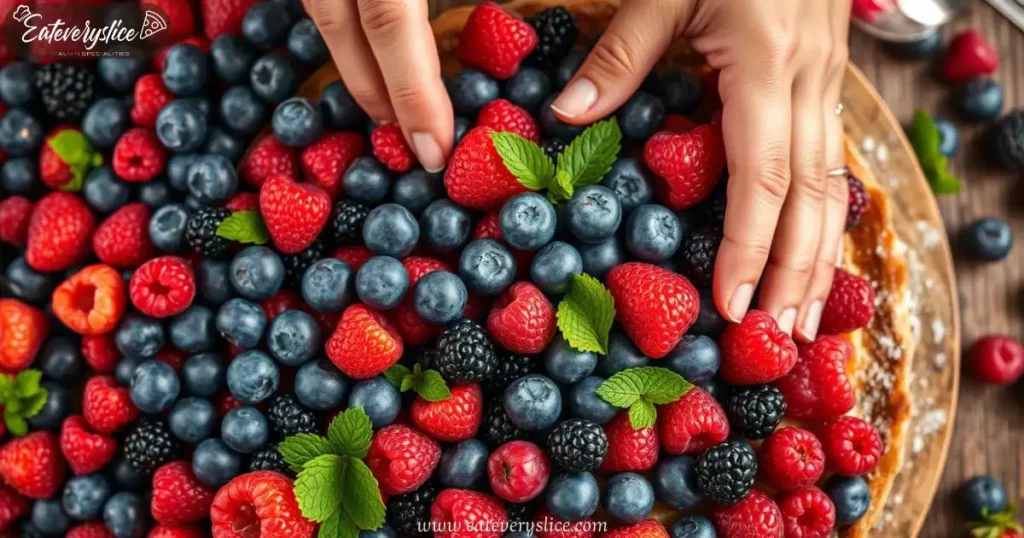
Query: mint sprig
(428,384)
(78,155)
(925,138)
(640,389)
(22,397)
(334,486)
(995,525)
(244,227)
(591,154)
(586,314)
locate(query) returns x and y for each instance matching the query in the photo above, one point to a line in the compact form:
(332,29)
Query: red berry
(689,164)
(23,329)
(852,446)
(163,286)
(100,352)
(655,306)
(178,496)
(452,419)
(122,240)
(858,202)
(293,212)
(476,176)
(693,423)
(850,304)
(546,525)
(173,357)
(223,17)
(59,232)
(15,213)
(284,299)
(494,41)
(629,448)
(503,116)
(269,158)
(181,21)
(790,458)
(258,504)
(648,528)
(106,406)
(167,531)
(86,452)
(92,301)
(807,513)
(353,256)
(522,320)
(390,148)
(461,513)
(364,344)
(870,10)
(401,458)
(818,387)
(54,170)
(32,465)
(12,506)
(756,516)
(326,160)
(968,57)
(756,351)
(243,201)
(149,97)
(410,324)
(139,156)
(518,471)
(998,359)
(92,529)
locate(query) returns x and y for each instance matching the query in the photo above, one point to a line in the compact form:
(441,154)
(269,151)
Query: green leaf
(244,227)
(22,398)
(939,178)
(396,374)
(640,389)
(331,527)
(525,160)
(346,527)
(350,432)
(303,447)
(586,314)
(77,153)
(642,414)
(431,387)
(363,504)
(34,403)
(563,186)
(924,136)
(17,425)
(319,486)
(27,382)
(591,154)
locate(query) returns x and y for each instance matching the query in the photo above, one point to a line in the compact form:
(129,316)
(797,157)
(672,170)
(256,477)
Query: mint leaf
(939,178)
(244,227)
(74,149)
(431,387)
(640,389)
(642,415)
(591,154)
(586,314)
(563,186)
(22,398)
(303,447)
(396,374)
(525,160)
(330,527)
(924,136)
(34,403)
(27,382)
(15,424)
(363,504)
(319,486)
(350,432)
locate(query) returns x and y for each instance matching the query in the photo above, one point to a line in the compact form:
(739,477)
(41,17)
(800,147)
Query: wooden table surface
(989,429)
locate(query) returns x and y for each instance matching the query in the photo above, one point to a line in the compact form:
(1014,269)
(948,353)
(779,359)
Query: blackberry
(288,417)
(553,147)
(295,265)
(577,445)
(409,513)
(345,225)
(511,366)
(149,445)
(714,207)
(465,353)
(269,460)
(66,90)
(1008,143)
(519,513)
(201,231)
(557,31)
(755,411)
(496,429)
(726,472)
(858,202)
(698,253)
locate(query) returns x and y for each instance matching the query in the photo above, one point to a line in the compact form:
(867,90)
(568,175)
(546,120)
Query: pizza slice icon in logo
(152,24)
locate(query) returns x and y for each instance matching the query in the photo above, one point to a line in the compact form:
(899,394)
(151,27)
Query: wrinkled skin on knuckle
(615,57)
(327,15)
(383,19)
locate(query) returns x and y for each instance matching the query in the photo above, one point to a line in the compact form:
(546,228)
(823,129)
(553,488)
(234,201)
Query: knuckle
(837,60)
(779,46)
(615,56)
(408,95)
(383,18)
(755,246)
(327,15)
(838,191)
(773,177)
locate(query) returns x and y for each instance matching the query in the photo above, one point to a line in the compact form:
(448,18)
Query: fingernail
(787,319)
(428,152)
(576,99)
(740,302)
(812,320)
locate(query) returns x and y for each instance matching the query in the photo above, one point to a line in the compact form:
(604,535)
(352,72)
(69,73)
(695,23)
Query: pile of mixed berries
(210,328)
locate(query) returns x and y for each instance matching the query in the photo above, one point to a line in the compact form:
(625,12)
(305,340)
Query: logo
(111,30)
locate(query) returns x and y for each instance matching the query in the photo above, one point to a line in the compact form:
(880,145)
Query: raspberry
(577,445)
(92,301)
(401,458)
(390,148)
(629,449)
(791,458)
(556,33)
(201,232)
(465,353)
(807,513)
(326,160)
(23,329)
(93,529)
(503,116)
(756,350)
(149,445)
(122,240)
(178,496)
(452,419)
(149,97)
(106,406)
(100,352)
(181,21)
(756,516)
(15,213)
(518,471)
(12,506)
(284,299)
(997,359)
(243,201)
(345,225)
(59,232)
(167,531)
(476,176)
(364,343)
(85,452)
(463,509)
(259,504)
(755,411)
(522,320)
(689,165)
(858,202)
(65,89)
(818,388)
(353,256)
(163,287)
(850,304)
(852,446)
(293,212)
(648,528)
(725,473)
(139,156)
(494,41)
(692,423)
(655,305)
(32,465)
(269,158)
(698,254)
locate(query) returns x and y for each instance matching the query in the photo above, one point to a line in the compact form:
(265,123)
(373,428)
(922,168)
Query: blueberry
(653,233)
(391,230)
(57,408)
(440,297)
(383,532)
(181,127)
(200,103)
(982,495)
(214,281)
(675,482)
(586,404)
(695,357)
(533,402)
(155,194)
(273,78)
(257,273)
(105,121)
(265,25)
(949,137)
(565,364)
(622,355)
(104,191)
(320,386)
(851,497)
(231,59)
(20,176)
(382,282)
(215,464)
(27,284)
(185,70)
(631,182)
(679,91)
(49,517)
(297,122)
(717,388)
(212,179)
(527,221)
(463,465)
(641,116)
(989,239)
(17,83)
(252,377)
(293,337)
(918,49)
(555,127)
(241,323)
(572,496)
(220,142)
(709,321)
(980,100)
(124,476)
(598,259)
(340,110)
(244,429)
(126,515)
(192,420)
(125,367)
(528,88)
(553,266)
(241,111)
(327,285)
(445,226)
(567,68)
(470,90)
(462,126)
(60,359)
(692,527)
(177,171)
(416,190)
(306,44)
(203,374)
(21,134)
(594,214)
(487,267)
(139,336)
(366,180)
(628,497)
(120,73)
(379,398)
(194,330)
(154,386)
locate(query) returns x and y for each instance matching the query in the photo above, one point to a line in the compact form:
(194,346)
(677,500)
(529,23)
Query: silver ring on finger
(836,172)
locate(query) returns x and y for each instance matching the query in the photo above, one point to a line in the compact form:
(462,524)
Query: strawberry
(258,504)
(23,329)
(15,213)
(65,158)
(476,176)
(163,286)
(86,452)
(850,304)
(92,529)
(12,506)
(807,513)
(522,320)
(32,465)
(364,344)
(494,41)
(755,351)
(149,96)
(326,160)
(293,212)
(629,449)
(463,513)
(655,306)
(756,516)
(692,424)
(59,232)
(818,388)
(401,458)
(178,496)
(968,57)
(390,148)
(648,528)
(688,164)
(223,16)
(452,419)
(503,116)
(122,240)
(546,525)
(107,407)
(790,458)
(168,531)
(852,446)
(181,21)
(139,156)
(268,158)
